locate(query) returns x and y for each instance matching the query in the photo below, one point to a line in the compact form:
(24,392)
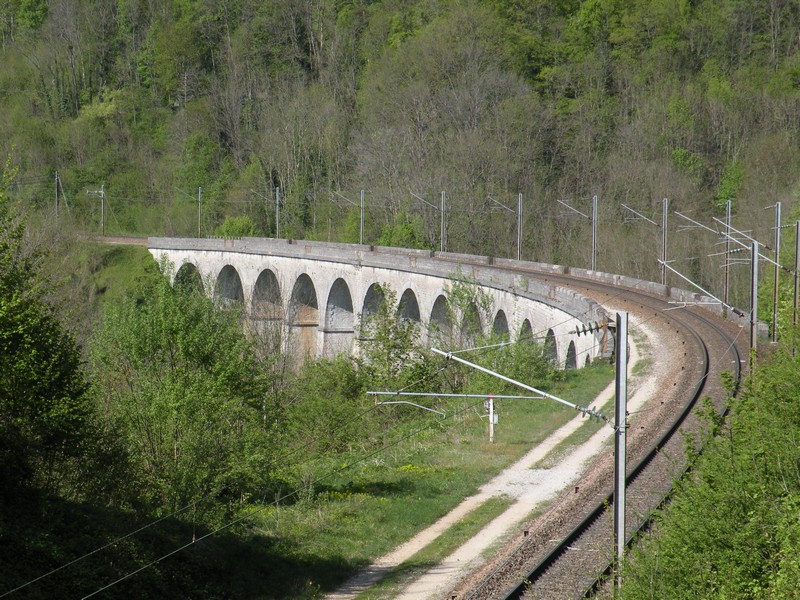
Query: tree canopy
(45,412)
(631,101)
(179,379)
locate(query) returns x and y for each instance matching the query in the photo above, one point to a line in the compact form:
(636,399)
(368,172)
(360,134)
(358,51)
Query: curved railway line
(568,550)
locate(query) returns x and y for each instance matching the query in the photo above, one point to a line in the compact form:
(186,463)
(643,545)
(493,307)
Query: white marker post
(491,419)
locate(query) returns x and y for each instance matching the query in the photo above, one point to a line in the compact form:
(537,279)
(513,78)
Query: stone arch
(228,289)
(303,306)
(372,300)
(339,309)
(408,307)
(572,358)
(188,278)
(339,320)
(304,316)
(550,347)
(525,331)
(441,320)
(266,304)
(471,326)
(500,325)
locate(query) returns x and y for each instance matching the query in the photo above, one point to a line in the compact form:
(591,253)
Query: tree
(178,376)
(45,412)
(390,344)
(235,227)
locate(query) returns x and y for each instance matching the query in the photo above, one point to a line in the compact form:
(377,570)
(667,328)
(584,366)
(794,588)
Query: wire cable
(294,492)
(276,461)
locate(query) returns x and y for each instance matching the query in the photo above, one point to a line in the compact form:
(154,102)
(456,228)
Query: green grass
(352,515)
(376,503)
(438,550)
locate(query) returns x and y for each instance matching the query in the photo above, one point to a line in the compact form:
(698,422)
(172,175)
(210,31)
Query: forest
(175,106)
(126,403)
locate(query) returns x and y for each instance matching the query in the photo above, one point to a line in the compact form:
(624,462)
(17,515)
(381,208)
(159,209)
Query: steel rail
(601,507)
(557,551)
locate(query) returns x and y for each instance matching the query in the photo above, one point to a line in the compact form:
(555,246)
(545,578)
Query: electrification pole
(278,212)
(102,193)
(620,426)
(777,271)
(664,211)
(441,235)
(753,297)
(594,233)
(727,250)
(519,227)
(199,212)
(491,419)
(361,237)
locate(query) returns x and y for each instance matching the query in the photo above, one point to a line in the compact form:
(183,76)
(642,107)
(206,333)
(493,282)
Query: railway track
(568,551)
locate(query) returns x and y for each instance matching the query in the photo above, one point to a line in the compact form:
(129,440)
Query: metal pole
(361,238)
(56,195)
(444,395)
(442,226)
(519,227)
(594,233)
(199,212)
(777,270)
(103,210)
(727,251)
(585,410)
(753,296)
(664,212)
(491,419)
(278,212)
(796,284)
(620,425)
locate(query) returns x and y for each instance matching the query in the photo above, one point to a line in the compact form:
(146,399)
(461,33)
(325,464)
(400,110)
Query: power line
(276,502)
(276,461)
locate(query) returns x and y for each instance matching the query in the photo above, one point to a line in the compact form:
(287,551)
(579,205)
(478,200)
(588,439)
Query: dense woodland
(632,101)
(124,400)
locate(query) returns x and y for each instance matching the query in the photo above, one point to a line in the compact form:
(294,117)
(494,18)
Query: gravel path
(530,487)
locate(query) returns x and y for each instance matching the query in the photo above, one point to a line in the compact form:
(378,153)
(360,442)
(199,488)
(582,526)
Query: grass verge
(355,514)
(435,552)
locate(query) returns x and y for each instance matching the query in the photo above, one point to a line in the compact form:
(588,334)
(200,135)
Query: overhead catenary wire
(335,424)
(252,513)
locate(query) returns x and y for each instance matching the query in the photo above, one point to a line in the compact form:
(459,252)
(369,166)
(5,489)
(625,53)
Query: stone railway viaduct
(316,292)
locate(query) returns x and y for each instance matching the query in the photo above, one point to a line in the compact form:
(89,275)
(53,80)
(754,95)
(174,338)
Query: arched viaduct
(316,293)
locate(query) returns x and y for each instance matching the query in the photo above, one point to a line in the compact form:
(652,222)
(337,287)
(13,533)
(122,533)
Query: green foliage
(177,376)
(31,13)
(199,164)
(470,307)
(390,352)
(322,403)
(731,530)
(689,163)
(404,232)
(730,184)
(45,412)
(236,227)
